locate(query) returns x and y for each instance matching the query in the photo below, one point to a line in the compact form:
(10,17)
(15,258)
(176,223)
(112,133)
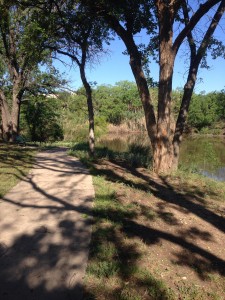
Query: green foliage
(203,111)
(118,103)
(42,117)
(220,101)
(22,34)
(206,109)
(74,117)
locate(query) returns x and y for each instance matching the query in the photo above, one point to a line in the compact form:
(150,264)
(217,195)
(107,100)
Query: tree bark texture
(6,118)
(163,148)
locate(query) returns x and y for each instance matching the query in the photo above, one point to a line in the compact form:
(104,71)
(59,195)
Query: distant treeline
(64,116)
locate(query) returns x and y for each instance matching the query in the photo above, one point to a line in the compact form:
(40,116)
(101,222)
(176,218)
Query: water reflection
(205,154)
(217,175)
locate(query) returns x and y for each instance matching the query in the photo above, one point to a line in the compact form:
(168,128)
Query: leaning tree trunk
(137,70)
(182,117)
(136,66)
(196,57)
(88,90)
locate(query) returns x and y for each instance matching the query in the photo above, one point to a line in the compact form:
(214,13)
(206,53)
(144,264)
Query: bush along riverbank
(154,237)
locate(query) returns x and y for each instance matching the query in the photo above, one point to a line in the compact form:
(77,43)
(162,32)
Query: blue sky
(115,67)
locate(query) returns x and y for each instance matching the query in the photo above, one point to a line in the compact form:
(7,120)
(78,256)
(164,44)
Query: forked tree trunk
(165,142)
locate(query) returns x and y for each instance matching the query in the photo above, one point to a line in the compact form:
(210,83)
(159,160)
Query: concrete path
(45,230)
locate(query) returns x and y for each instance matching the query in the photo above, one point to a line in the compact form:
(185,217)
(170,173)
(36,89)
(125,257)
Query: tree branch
(202,10)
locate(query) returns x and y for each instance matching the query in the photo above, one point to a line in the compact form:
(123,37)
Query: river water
(203,154)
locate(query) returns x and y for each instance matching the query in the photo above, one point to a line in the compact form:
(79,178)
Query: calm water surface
(205,154)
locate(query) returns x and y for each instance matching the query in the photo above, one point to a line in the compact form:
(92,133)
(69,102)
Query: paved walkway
(45,229)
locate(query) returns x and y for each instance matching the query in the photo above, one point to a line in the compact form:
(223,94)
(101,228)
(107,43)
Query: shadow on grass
(115,255)
(192,255)
(191,202)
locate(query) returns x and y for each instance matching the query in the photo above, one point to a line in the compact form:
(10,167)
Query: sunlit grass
(192,182)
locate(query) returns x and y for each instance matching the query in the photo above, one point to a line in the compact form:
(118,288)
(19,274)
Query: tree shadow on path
(45,232)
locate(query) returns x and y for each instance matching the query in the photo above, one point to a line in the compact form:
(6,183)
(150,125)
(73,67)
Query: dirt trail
(45,230)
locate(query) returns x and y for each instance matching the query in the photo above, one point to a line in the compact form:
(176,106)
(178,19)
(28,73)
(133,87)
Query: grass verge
(15,163)
(153,237)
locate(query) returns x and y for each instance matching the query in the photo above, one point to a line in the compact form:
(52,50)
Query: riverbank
(139,126)
(155,237)
(202,154)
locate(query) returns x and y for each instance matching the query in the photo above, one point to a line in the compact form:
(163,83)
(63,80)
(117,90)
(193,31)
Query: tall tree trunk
(10,120)
(161,132)
(163,149)
(88,90)
(15,116)
(6,118)
(165,127)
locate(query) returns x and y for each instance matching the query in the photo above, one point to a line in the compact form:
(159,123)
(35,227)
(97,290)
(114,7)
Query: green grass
(197,183)
(15,163)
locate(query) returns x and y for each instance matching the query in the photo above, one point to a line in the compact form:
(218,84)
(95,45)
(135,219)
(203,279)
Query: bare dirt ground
(178,225)
(45,230)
